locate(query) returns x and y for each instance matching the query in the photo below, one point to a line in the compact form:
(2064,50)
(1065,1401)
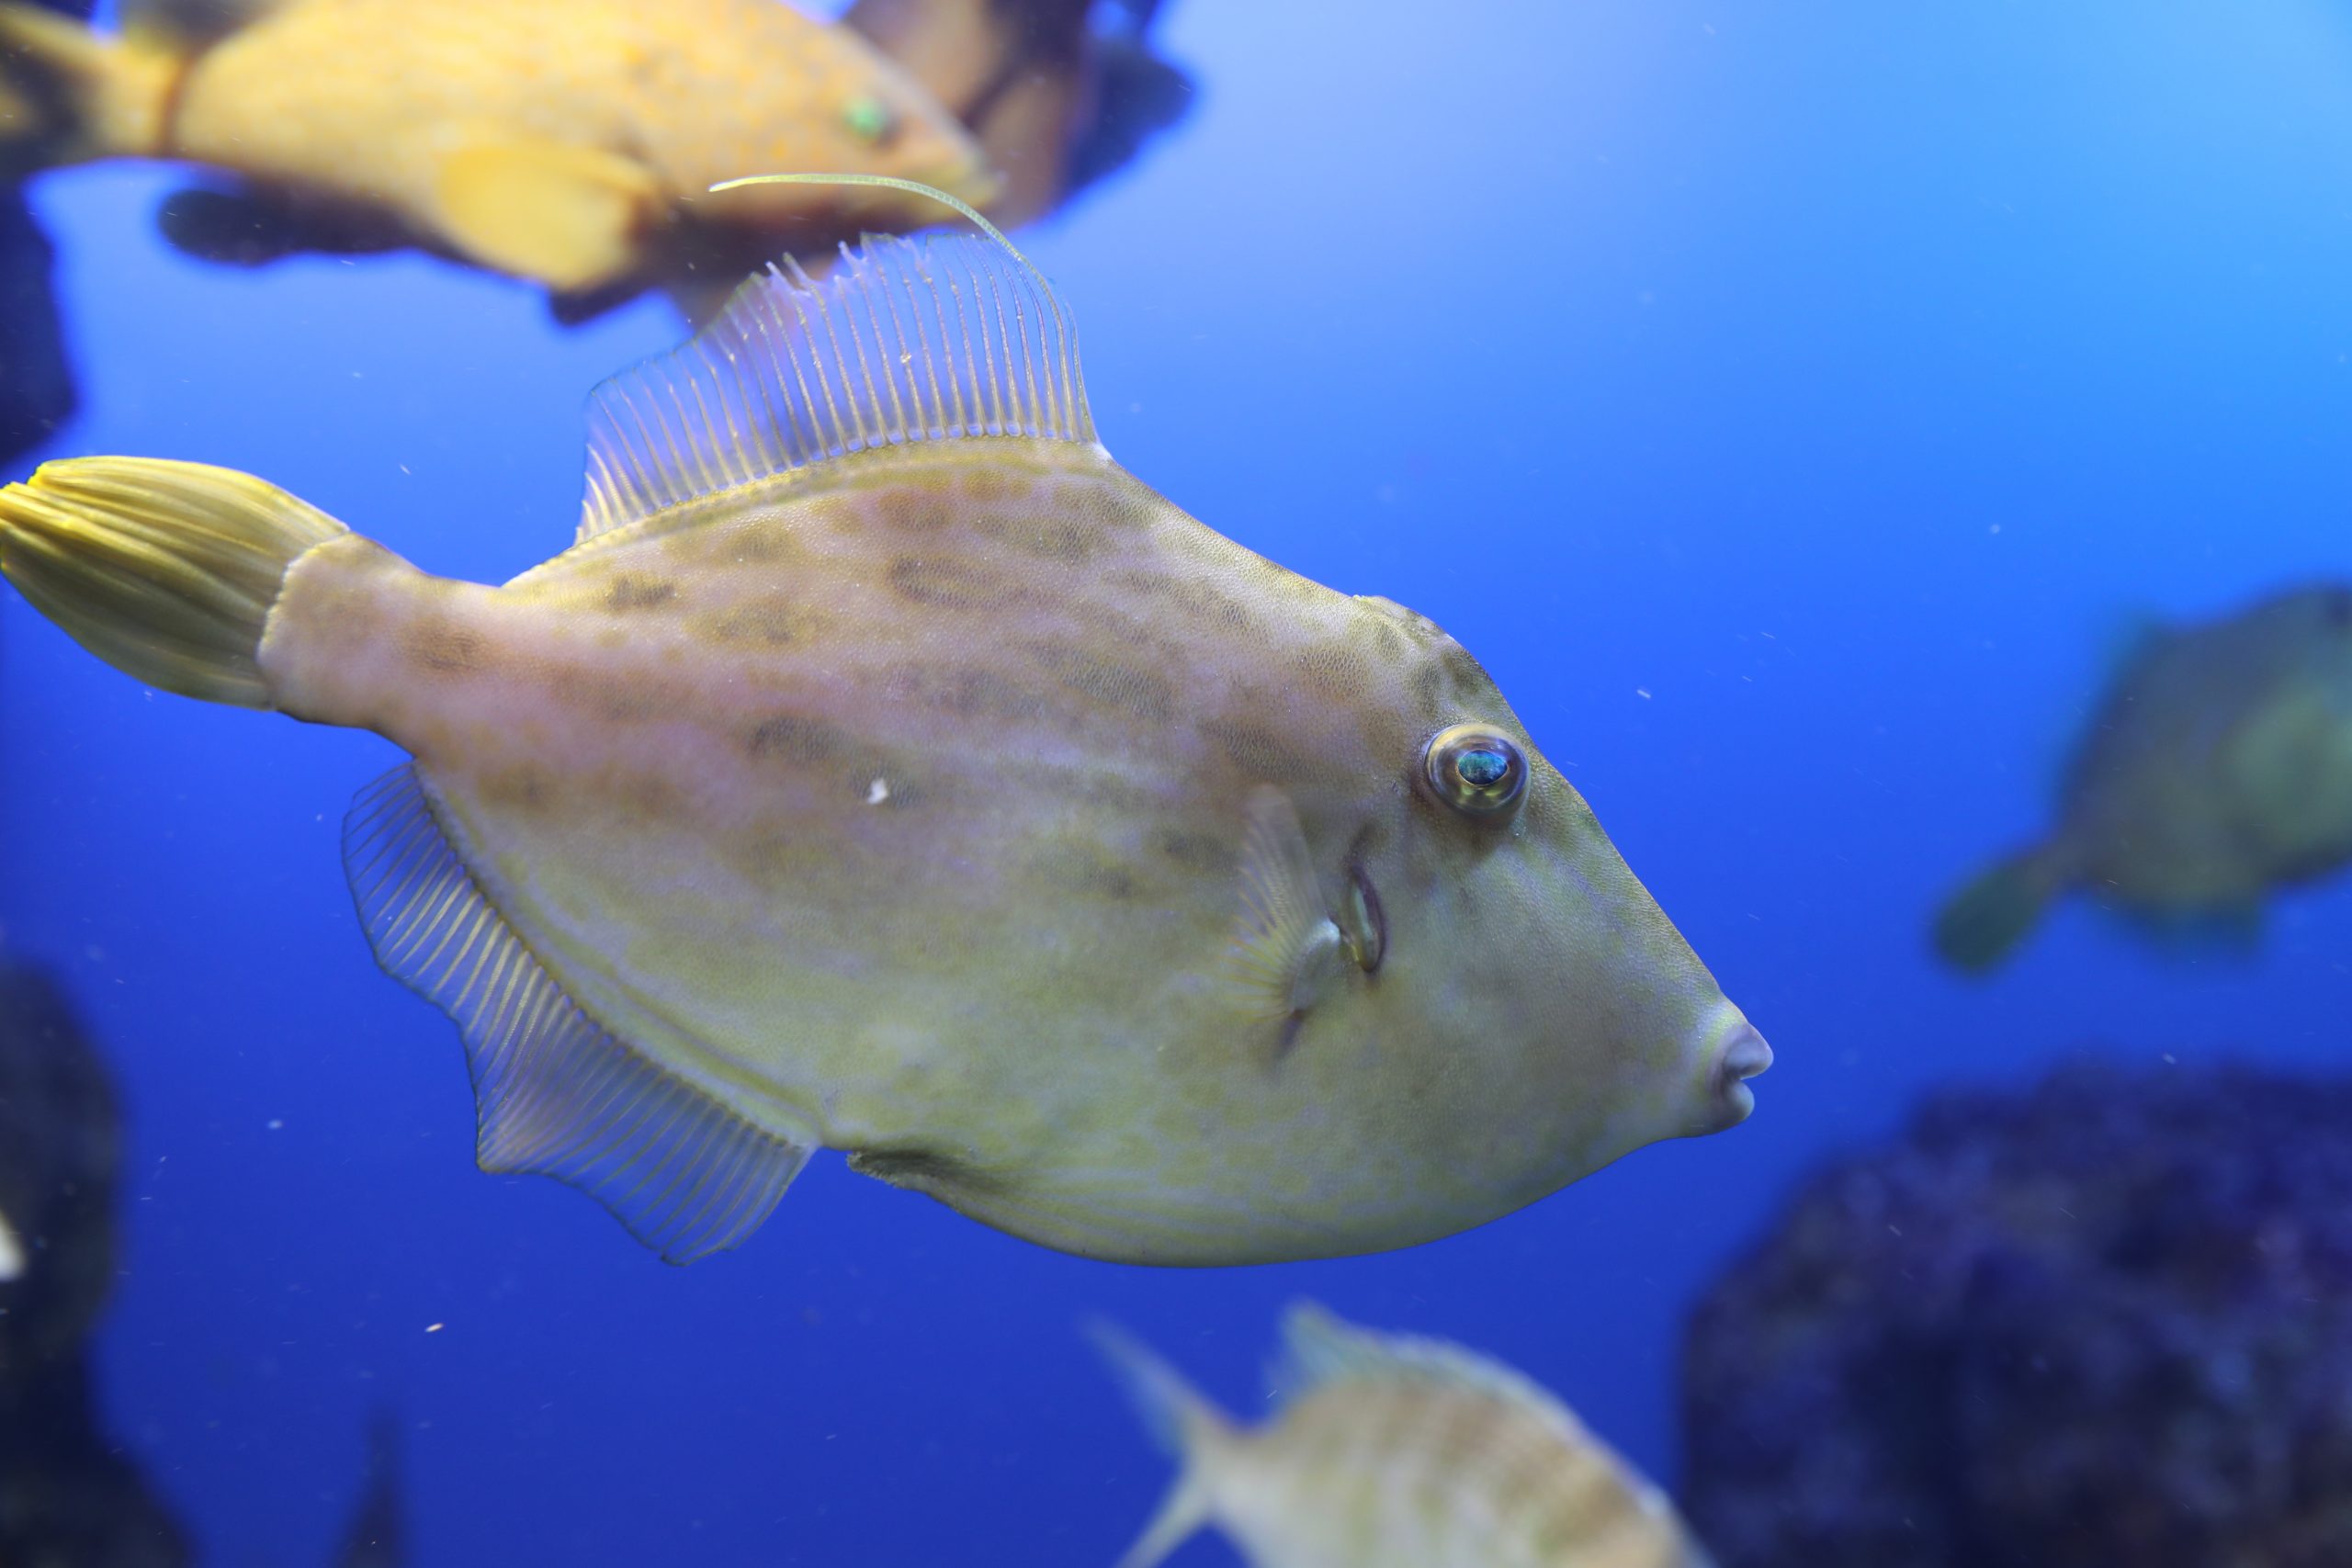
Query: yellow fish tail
(69,94)
(166,570)
(1185,1422)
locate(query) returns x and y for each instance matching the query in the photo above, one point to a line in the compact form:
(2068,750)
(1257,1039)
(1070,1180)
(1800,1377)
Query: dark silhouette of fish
(377,1535)
(2217,767)
(37,387)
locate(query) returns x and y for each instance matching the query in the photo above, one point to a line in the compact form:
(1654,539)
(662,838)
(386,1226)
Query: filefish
(570,142)
(1390,1451)
(886,769)
(2217,767)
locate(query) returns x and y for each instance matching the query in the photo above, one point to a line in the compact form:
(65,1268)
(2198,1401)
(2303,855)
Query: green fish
(2217,767)
(885,768)
(1394,1451)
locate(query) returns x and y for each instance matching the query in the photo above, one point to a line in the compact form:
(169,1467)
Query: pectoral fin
(1286,952)
(572,218)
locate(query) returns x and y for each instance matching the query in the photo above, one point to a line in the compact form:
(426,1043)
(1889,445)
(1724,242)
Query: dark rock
(2106,1322)
(68,1499)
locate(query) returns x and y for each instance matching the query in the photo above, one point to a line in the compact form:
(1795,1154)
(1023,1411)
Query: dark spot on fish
(1428,685)
(1085,866)
(1047,537)
(794,739)
(617,701)
(524,786)
(951,585)
(773,621)
(759,544)
(1198,601)
(966,694)
(912,511)
(1197,852)
(634,590)
(990,487)
(1139,692)
(446,647)
(1142,584)
(1257,752)
(1469,675)
(1387,641)
(921,1169)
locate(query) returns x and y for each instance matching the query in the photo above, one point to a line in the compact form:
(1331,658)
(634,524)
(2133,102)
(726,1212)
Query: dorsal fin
(937,339)
(1320,1349)
(554,1093)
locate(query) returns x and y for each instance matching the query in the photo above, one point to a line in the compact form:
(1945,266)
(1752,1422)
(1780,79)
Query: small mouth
(1742,1055)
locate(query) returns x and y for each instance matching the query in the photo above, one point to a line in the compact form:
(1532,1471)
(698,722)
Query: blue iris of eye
(1482,769)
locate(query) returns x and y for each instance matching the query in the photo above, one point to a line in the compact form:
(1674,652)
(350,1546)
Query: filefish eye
(1476,770)
(869,119)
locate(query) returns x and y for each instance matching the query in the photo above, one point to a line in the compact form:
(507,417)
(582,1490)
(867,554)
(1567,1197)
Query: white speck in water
(276,1125)
(11,1255)
(1643,693)
(877,792)
(433,1328)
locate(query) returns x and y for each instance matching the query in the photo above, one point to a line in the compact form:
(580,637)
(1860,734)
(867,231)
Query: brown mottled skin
(895,803)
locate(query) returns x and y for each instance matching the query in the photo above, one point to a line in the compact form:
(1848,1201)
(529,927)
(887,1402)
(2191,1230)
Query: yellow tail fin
(165,570)
(68,93)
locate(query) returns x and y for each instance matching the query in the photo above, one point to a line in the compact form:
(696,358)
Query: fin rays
(901,340)
(554,1093)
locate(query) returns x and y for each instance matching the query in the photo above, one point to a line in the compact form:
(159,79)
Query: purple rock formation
(2104,1322)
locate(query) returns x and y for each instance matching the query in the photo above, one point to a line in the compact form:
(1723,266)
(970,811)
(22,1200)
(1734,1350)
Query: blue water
(1791,405)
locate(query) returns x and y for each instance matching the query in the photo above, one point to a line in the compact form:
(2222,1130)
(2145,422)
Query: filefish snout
(1735,1052)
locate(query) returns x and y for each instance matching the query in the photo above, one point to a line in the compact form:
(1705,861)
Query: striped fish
(886,770)
(1396,1452)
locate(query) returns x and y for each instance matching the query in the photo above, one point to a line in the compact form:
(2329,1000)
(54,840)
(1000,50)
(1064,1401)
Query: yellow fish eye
(869,119)
(1477,770)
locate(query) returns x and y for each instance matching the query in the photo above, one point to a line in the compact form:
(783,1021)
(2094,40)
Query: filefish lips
(1735,1051)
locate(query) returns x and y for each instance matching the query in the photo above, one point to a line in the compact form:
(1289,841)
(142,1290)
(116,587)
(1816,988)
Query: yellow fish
(2217,767)
(566,141)
(886,770)
(1396,1452)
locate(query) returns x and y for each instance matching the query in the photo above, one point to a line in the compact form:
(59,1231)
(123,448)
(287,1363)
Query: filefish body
(908,779)
(1397,1452)
(561,141)
(2217,767)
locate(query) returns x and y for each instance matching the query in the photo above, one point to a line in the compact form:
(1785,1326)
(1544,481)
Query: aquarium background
(1793,406)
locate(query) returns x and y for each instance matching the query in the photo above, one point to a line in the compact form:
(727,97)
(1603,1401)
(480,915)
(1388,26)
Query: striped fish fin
(1320,1349)
(1183,1421)
(554,1093)
(937,339)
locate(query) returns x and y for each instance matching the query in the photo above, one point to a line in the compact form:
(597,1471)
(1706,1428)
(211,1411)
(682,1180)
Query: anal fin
(572,218)
(554,1093)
